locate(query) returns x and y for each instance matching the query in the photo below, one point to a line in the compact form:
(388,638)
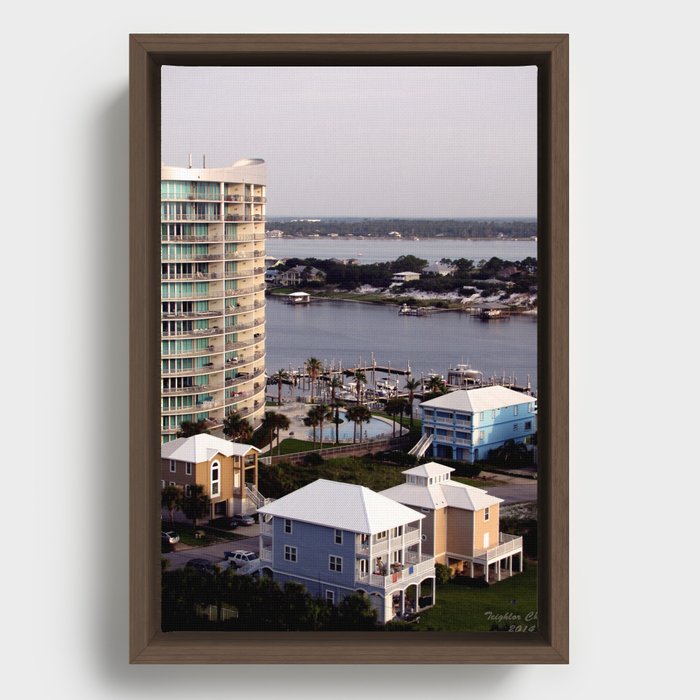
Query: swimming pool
(373,429)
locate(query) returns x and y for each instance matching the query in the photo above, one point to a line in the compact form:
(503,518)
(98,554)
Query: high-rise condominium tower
(212,294)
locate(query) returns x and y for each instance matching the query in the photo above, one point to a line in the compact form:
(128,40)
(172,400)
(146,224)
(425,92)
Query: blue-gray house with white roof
(467,424)
(337,538)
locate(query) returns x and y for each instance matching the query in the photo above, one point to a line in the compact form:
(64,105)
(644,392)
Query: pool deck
(296,412)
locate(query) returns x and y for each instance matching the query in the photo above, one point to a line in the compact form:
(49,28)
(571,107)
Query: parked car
(169,537)
(201,565)
(241,557)
(242,520)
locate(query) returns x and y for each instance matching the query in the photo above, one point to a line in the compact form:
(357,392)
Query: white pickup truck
(240,562)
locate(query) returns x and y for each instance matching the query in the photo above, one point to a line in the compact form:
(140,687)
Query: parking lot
(214,552)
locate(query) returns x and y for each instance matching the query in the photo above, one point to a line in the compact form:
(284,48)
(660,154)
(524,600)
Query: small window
(173,466)
(188,490)
(162,484)
(171,483)
(515,410)
(516,426)
(288,527)
(424,510)
(215,471)
(424,538)
(528,425)
(481,416)
(335,564)
(381,535)
(188,469)
(339,537)
(486,513)
(330,597)
(397,531)
(290,553)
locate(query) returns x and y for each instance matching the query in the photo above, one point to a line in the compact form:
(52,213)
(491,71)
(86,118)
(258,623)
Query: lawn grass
(461,608)
(186,533)
(291,445)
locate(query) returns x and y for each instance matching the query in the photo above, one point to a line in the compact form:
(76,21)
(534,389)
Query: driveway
(213,553)
(515,493)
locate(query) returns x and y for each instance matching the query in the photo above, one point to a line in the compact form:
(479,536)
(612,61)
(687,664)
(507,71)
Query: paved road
(515,493)
(213,553)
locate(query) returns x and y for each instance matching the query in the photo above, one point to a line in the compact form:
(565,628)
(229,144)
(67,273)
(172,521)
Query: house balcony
(410,537)
(507,545)
(414,570)
(266,555)
(266,528)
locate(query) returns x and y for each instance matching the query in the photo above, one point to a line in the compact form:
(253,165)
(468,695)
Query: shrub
(443,574)
(313,459)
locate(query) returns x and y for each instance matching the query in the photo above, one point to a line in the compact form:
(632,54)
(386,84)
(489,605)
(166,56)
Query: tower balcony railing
(242,361)
(210,350)
(173,218)
(195,257)
(194,294)
(191,314)
(239,291)
(212,238)
(192,332)
(257,338)
(195,371)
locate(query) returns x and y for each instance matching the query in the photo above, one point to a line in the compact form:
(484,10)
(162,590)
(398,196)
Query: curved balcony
(258,338)
(244,237)
(193,258)
(213,387)
(193,353)
(191,239)
(175,315)
(192,333)
(244,256)
(237,310)
(201,406)
(185,217)
(211,368)
(243,274)
(194,294)
(242,291)
(243,361)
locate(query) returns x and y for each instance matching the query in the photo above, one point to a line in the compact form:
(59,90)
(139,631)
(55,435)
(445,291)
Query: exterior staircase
(255,497)
(421,447)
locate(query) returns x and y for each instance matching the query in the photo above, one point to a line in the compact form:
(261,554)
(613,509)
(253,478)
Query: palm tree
(323,412)
(269,425)
(336,383)
(403,406)
(237,428)
(196,504)
(411,385)
(189,428)
(435,385)
(360,379)
(393,408)
(279,377)
(281,423)
(313,368)
(311,420)
(358,414)
(170,498)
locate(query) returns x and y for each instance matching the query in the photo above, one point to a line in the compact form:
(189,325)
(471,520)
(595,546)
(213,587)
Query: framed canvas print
(349,349)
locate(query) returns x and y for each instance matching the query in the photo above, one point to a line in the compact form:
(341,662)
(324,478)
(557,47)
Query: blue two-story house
(337,538)
(467,424)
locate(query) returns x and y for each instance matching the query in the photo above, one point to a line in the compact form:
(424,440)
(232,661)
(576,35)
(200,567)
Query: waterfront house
(467,424)
(439,269)
(272,276)
(401,277)
(461,526)
(299,274)
(337,538)
(228,472)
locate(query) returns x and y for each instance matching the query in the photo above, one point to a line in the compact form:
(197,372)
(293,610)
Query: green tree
(359,378)
(355,612)
(393,408)
(279,377)
(336,383)
(189,428)
(358,415)
(170,498)
(237,428)
(196,504)
(281,423)
(436,385)
(311,420)
(323,413)
(313,369)
(411,385)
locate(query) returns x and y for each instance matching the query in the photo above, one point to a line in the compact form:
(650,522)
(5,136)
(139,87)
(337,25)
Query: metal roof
(482,399)
(428,470)
(342,506)
(203,448)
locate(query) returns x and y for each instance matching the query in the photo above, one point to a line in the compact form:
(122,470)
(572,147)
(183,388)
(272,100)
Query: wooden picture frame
(147,54)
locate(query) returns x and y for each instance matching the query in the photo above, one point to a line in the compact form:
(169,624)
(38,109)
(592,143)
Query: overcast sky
(427,142)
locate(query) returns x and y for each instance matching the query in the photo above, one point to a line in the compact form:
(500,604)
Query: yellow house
(228,472)
(461,526)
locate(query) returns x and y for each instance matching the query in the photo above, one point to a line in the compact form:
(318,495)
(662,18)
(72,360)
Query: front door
(486,540)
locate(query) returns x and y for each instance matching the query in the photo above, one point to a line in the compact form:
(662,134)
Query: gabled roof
(481,399)
(342,506)
(202,448)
